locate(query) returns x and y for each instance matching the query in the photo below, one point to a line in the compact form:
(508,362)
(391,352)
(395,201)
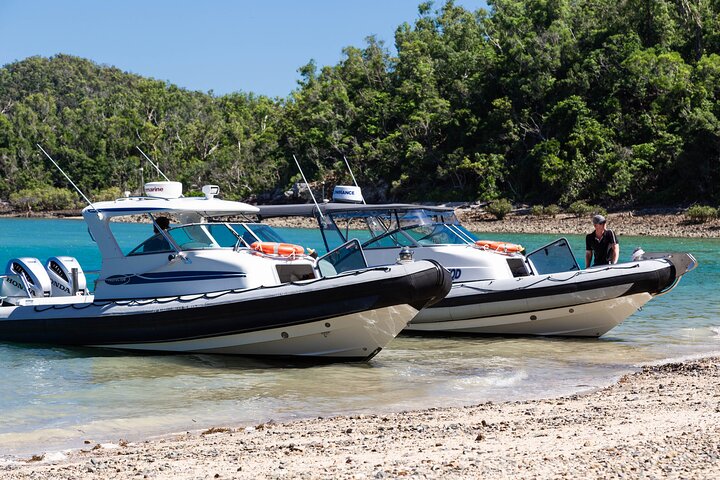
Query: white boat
(497,289)
(213,287)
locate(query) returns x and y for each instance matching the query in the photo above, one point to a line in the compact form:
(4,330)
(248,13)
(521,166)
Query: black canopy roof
(310,210)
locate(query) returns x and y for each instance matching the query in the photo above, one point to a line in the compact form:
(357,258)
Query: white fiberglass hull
(359,335)
(585,303)
(584,320)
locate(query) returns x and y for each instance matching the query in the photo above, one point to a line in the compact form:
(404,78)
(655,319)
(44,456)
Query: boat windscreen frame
(247,227)
(377,215)
(161,234)
(462,232)
(174,246)
(353,249)
(560,244)
(381,223)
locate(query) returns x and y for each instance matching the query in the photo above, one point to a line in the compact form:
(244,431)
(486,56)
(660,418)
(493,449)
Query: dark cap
(598,219)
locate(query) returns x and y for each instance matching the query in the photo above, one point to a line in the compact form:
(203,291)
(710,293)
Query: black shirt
(602,248)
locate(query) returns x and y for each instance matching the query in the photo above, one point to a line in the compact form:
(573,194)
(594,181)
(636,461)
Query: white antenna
(353,177)
(308,187)
(153,164)
(68,178)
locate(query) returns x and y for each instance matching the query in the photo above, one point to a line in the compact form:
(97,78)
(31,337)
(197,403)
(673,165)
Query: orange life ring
(497,246)
(274,248)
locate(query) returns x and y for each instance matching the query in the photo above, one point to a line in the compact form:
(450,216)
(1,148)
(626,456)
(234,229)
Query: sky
(213,45)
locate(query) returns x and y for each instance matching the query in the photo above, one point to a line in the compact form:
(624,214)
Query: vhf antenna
(353,177)
(68,179)
(308,186)
(153,164)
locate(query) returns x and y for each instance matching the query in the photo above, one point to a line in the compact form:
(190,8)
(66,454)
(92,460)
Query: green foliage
(107,194)
(609,102)
(545,211)
(43,198)
(537,211)
(499,208)
(551,210)
(582,208)
(701,213)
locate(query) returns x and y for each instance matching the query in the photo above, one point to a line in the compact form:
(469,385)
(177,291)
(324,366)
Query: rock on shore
(662,422)
(657,223)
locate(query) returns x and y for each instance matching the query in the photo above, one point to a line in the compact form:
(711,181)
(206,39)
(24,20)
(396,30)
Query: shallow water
(53,398)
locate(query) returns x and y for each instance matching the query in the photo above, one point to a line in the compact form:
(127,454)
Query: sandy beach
(661,422)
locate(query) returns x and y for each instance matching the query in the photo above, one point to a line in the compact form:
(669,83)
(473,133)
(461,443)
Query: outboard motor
(66,276)
(32,271)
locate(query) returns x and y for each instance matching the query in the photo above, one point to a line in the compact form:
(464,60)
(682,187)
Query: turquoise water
(54,398)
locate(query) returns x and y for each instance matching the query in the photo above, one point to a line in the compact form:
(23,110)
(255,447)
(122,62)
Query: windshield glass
(553,258)
(193,237)
(464,232)
(197,236)
(426,217)
(224,236)
(348,256)
(254,232)
(437,234)
(396,227)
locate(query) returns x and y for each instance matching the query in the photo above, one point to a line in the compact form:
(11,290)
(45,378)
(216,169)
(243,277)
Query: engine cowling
(66,276)
(33,273)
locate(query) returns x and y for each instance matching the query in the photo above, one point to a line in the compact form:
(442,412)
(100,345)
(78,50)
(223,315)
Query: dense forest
(615,102)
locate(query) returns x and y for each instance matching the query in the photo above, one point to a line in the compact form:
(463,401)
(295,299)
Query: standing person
(601,244)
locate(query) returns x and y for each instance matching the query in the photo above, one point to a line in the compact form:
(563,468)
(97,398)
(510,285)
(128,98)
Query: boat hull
(350,316)
(355,336)
(588,303)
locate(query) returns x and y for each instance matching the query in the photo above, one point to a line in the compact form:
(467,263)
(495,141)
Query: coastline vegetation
(499,208)
(701,213)
(599,104)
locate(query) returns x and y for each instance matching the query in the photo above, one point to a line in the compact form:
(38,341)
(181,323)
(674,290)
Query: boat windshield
(396,228)
(202,236)
(198,236)
(253,232)
(554,257)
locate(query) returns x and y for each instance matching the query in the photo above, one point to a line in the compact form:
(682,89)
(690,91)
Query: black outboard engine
(34,275)
(66,276)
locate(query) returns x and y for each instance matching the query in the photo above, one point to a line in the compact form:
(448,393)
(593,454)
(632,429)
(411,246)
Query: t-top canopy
(310,210)
(202,206)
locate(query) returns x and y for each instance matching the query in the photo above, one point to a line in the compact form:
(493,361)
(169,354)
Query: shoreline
(661,222)
(663,420)
(650,222)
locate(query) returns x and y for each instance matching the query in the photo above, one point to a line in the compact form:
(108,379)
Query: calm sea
(53,398)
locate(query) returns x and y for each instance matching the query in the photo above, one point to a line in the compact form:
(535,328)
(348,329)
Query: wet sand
(661,422)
